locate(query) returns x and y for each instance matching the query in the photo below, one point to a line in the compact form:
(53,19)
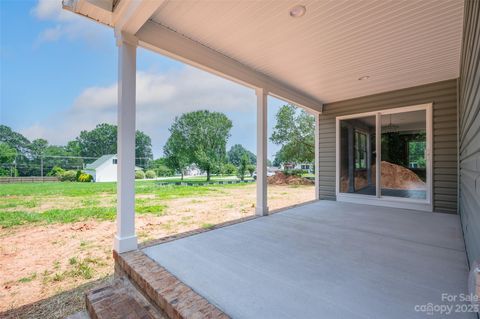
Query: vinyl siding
(443,95)
(469,132)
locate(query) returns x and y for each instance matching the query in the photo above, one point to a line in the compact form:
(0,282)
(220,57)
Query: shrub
(163,170)
(150,174)
(229,169)
(139,175)
(79,172)
(56,171)
(85,178)
(68,176)
(4,172)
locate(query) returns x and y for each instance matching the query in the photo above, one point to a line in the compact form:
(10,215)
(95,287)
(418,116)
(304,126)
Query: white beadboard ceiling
(398,44)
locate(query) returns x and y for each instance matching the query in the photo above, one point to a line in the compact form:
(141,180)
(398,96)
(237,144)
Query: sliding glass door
(404,150)
(357,155)
(385,156)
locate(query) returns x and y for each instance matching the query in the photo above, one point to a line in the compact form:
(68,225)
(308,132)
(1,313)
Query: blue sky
(58,74)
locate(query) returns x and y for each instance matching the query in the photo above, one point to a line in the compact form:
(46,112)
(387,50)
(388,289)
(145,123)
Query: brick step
(177,300)
(120,299)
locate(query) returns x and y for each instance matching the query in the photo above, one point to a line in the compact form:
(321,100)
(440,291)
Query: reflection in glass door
(404,154)
(385,156)
(357,155)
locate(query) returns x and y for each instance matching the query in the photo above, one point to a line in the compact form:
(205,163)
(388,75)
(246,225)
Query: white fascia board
(103,4)
(130,15)
(163,40)
(96,10)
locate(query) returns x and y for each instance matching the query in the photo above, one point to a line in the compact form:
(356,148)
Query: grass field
(56,238)
(25,203)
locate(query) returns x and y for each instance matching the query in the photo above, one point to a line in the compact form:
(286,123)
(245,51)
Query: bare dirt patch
(46,261)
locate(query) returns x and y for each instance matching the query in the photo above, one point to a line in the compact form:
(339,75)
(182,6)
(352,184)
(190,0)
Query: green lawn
(69,202)
(86,189)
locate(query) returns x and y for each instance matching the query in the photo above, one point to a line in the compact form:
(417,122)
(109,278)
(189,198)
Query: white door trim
(426,204)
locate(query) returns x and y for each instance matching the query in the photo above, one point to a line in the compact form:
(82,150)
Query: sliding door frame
(389,201)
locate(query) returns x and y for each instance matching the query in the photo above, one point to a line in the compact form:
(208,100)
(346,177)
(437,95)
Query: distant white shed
(104,169)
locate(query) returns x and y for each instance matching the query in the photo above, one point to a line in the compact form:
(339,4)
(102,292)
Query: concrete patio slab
(325,260)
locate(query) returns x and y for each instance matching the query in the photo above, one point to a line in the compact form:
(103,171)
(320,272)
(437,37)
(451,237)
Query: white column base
(122,245)
(261,211)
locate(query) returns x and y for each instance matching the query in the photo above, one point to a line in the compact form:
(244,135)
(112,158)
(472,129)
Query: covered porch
(324,259)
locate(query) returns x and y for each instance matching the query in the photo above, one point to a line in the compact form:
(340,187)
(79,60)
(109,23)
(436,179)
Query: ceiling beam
(158,38)
(130,15)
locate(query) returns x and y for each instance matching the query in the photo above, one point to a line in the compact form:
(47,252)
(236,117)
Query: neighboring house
(303,166)
(104,169)
(271,171)
(192,170)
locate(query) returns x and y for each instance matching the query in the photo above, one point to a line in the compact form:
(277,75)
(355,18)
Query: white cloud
(160,97)
(49,9)
(67,25)
(50,34)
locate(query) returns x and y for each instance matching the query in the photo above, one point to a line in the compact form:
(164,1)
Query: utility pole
(15,167)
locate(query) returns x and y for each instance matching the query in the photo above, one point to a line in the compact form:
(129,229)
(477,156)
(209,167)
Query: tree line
(196,138)
(21,157)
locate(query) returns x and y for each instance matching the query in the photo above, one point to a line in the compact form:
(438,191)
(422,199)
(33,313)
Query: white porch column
(261,206)
(317,155)
(125,238)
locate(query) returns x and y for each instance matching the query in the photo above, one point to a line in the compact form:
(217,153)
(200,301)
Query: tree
(176,150)
(21,145)
(7,158)
(143,147)
(62,156)
(242,169)
(159,166)
(229,169)
(251,169)
(236,152)
(102,140)
(15,140)
(163,170)
(294,131)
(38,147)
(73,148)
(7,153)
(37,151)
(201,136)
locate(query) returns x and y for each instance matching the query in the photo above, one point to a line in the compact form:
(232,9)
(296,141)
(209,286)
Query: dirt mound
(282,179)
(393,176)
(399,177)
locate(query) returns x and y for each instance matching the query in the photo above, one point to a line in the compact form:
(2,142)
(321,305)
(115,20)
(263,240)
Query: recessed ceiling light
(298,11)
(366,77)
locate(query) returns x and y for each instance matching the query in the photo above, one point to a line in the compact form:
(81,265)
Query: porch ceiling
(324,53)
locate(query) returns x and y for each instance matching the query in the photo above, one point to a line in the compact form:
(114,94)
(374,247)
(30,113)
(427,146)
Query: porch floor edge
(172,296)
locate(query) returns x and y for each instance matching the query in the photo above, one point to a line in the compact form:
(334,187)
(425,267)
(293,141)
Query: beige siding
(443,95)
(469,133)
